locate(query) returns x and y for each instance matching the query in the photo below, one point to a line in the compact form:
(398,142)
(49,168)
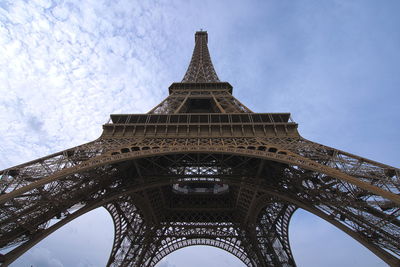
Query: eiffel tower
(201,169)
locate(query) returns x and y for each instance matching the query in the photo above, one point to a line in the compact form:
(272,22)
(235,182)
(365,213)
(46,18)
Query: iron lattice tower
(201,169)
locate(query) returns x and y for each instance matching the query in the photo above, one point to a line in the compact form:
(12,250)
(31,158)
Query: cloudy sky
(66,65)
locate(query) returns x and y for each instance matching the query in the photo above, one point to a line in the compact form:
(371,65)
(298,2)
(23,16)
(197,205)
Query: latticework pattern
(201,169)
(201,68)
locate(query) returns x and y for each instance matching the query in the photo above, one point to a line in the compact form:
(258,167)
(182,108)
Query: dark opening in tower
(201,105)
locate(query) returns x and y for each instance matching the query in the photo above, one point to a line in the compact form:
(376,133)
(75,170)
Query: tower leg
(269,233)
(130,233)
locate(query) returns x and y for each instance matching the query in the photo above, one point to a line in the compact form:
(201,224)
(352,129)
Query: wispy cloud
(67,66)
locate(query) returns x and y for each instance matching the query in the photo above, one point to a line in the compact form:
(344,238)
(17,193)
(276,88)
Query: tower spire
(200,68)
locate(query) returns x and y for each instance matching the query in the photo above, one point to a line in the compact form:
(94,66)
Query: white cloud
(66,67)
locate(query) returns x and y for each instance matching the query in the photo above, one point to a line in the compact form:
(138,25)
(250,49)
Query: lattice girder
(371,175)
(365,217)
(200,68)
(243,242)
(222,100)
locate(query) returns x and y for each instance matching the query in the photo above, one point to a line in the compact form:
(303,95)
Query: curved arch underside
(267,181)
(262,243)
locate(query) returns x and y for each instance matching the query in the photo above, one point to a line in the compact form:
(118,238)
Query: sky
(66,65)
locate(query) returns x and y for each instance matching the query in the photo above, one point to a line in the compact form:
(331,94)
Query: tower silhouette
(201,169)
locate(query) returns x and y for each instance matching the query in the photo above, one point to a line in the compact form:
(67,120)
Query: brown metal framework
(201,169)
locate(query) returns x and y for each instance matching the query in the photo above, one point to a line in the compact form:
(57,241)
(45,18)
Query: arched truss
(359,196)
(166,238)
(187,242)
(262,243)
(129,201)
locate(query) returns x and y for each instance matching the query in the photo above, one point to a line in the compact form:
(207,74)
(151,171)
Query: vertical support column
(130,232)
(271,234)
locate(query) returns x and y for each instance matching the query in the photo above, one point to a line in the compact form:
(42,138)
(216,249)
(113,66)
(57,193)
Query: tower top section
(201,69)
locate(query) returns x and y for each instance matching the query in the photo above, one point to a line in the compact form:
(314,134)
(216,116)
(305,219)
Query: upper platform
(210,86)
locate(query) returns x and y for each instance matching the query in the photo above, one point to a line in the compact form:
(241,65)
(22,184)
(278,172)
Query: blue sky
(66,65)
